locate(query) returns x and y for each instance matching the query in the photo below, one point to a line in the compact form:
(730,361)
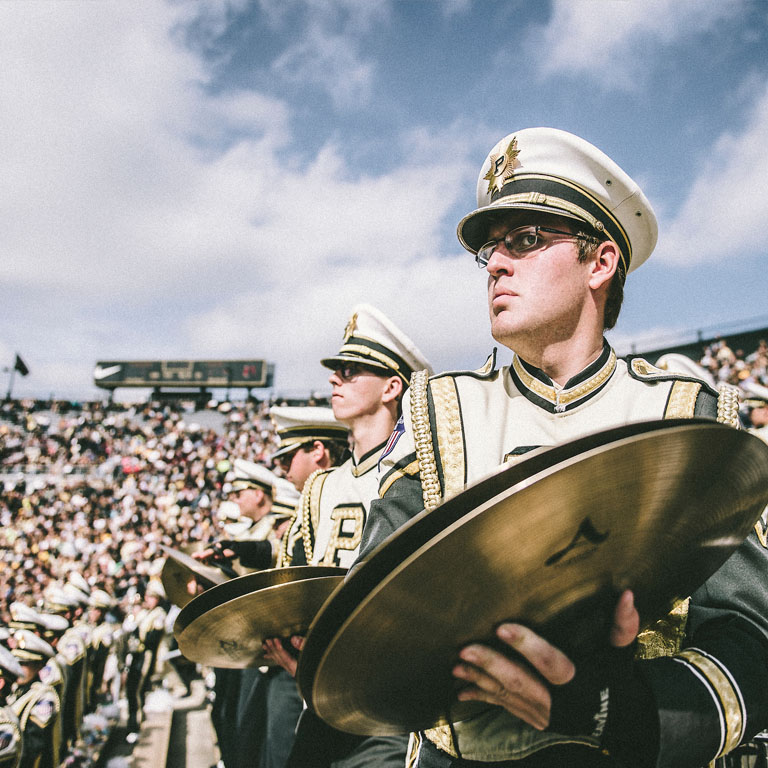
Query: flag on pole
(20,366)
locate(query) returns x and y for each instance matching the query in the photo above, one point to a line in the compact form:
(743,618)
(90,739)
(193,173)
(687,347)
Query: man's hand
(498,680)
(213,552)
(274,650)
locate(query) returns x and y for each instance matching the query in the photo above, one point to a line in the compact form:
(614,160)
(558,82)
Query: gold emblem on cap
(502,167)
(350,328)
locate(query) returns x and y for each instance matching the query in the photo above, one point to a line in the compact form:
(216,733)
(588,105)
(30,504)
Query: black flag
(20,366)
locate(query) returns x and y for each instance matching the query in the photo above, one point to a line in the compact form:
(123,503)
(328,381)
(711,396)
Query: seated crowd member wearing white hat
(269,704)
(369,375)
(311,439)
(557,229)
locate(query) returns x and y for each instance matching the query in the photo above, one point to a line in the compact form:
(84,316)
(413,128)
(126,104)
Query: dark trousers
(224,714)
(133,692)
(283,707)
(566,756)
(318,745)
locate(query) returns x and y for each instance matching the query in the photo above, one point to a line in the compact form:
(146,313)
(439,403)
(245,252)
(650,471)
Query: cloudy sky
(227,178)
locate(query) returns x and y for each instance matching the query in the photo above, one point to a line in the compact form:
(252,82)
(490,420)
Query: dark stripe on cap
(557,188)
(241,484)
(313,433)
(403,369)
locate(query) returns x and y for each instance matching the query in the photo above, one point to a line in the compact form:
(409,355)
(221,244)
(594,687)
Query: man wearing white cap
(35,704)
(252,489)
(557,229)
(369,375)
(10,730)
(143,646)
(310,439)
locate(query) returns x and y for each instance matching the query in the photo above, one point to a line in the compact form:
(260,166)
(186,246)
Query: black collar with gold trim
(537,387)
(368,461)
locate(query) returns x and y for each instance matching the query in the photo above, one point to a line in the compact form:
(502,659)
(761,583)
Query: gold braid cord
(728,405)
(430,489)
(306,513)
(422,437)
(284,557)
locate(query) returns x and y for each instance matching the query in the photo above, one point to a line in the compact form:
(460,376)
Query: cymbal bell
(182,574)
(226,625)
(550,542)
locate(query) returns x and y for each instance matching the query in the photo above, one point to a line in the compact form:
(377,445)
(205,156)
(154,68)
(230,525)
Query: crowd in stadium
(95,490)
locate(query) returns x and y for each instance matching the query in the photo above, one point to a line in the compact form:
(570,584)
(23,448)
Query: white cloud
(329,52)
(725,212)
(440,305)
(123,187)
(331,61)
(608,40)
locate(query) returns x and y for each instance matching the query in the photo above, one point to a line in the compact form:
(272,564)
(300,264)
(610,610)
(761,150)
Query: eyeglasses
(352,370)
(521,243)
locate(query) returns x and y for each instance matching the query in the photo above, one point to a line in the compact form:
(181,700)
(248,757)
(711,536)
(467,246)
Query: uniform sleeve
(710,696)
(252,554)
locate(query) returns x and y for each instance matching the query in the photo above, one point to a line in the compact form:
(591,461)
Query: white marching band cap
(101,599)
(29,647)
(57,599)
(54,624)
(24,617)
(155,587)
(10,663)
(228,511)
(248,474)
(285,499)
(76,593)
(553,171)
(79,581)
(296,426)
(372,339)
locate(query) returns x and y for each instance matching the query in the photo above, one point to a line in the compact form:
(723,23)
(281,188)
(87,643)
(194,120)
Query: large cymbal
(182,574)
(551,541)
(225,626)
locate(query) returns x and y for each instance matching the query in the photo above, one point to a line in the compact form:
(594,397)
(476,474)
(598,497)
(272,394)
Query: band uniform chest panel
(342,510)
(497,419)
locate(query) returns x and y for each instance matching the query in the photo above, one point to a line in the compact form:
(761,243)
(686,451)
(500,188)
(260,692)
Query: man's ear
(393,390)
(603,265)
(317,451)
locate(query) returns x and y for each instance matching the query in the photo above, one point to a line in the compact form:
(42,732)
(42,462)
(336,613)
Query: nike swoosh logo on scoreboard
(102,373)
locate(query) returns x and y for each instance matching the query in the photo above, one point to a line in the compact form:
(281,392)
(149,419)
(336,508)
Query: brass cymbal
(549,542)
(226,625)
(182,574)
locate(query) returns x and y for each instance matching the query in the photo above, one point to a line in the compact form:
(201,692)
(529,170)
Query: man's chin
(503,333)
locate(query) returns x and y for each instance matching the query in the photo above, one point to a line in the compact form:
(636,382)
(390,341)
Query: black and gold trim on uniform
(406,467)
(486,371)
(368,461)
(537,387)
(725,694)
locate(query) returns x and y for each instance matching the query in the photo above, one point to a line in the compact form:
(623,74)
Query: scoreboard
(202,374)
